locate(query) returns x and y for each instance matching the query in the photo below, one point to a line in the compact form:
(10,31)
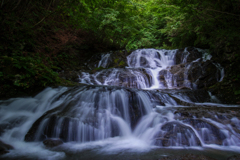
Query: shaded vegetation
(41,38)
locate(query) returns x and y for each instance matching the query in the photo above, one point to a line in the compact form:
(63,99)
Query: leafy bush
(26,71)
(206,24)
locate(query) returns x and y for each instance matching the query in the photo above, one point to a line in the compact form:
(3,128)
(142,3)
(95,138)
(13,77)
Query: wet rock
(121,77)
(188,55)
(189,72)
(144,63)
(204,74)
(179,56)
(188,157)
(162,73)
(70,75)
(177,68)
(189,97)
(179,74)
(4,148)
(212,73)
(108,60)
(89,119)
(177,134)
(209,133)
(218,114)
(11,124)
(162,79)
(194,71)
(52,142)
(235,157)
(174,77)
(194,75)
(46,123)
(2,127)
(194,54)
(206,120)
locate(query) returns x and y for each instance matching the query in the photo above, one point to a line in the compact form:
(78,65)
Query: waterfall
(158,69)
(157,101)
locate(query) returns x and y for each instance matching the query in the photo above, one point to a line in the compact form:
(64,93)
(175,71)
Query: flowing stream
(154,107)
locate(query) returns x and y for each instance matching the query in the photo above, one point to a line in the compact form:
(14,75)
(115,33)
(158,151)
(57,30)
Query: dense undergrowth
(41,38)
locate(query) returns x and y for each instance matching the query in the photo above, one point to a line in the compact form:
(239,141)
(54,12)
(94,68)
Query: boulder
(108,60)
(4,148)
(119,77)
(176,134)
(209,133)
(234,157)
(52,142)
(70,75)
(188,157)
(197,74)
(187,55)
(81,121)
(204,74)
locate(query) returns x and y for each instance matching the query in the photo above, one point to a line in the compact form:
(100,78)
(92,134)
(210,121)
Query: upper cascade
(151,58)
(158,69)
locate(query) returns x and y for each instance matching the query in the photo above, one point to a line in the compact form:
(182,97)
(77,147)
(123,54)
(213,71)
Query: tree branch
(223,12)
(16,5)
(43,17)
(2,3)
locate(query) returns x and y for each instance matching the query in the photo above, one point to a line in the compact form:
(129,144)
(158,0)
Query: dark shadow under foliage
(41,38)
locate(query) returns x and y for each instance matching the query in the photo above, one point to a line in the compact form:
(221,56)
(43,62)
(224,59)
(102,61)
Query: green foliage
(116,60)
(135,24)
(126,24)
(122,63)
(129,24)
(26,71)
(203,24)
(98,68)
(237,92)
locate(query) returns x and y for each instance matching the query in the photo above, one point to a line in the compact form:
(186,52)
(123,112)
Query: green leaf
(237,92)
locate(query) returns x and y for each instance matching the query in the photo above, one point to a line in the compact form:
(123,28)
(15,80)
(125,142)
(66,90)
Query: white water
(18,115)
(113,120)
(104,60)
(152,69)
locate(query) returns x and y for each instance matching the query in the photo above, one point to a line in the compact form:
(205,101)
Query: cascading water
(112,114)
(104,60)
(157,69)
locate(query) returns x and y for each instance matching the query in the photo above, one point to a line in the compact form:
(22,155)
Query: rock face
(210,131)
(191,67)
(115,59)
(175,76)
(124,77)
(187,55)
(191,75)
(176,134)
(186,68)
(188,157)
(235,157)
(163,69)
(52,142)
(156,100)
(98,62)
(206,129)
(95,112)
(70,75)
(90,114)
(204,74)
(4,148)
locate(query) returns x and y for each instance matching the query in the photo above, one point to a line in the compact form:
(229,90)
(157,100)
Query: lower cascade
(157,102)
